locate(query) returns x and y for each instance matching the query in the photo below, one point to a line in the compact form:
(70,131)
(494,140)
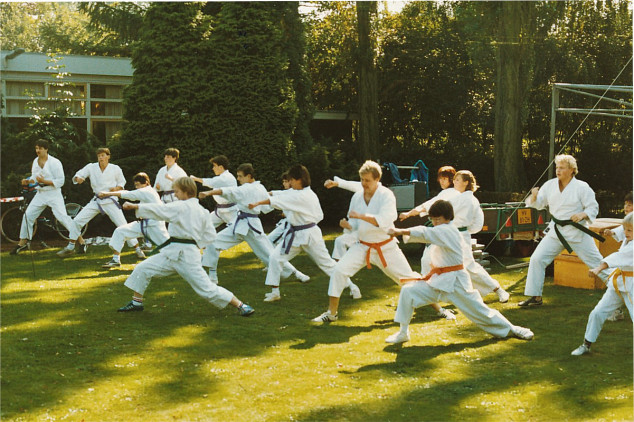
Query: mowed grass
(68,355)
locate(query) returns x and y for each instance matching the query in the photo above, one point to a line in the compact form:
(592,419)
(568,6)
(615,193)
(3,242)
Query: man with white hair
(572,205)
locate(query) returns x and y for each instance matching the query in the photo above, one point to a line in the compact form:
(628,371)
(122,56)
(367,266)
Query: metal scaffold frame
(623,110)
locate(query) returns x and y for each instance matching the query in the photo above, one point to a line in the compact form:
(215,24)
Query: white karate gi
(382,207)
(165,184)
(244,229)
(225,212)
(576,197)
(102,181)
(187,220)
(47,196)
(445,195)
(343,243)
(469,219)
(154,230)
(301,207)
(612,300)
(276,234)
(455,287)
(349,237)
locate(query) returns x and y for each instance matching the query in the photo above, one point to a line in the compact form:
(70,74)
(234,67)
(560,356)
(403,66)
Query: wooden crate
(572,272)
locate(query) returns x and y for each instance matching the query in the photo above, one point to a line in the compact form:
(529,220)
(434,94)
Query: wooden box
(572,272)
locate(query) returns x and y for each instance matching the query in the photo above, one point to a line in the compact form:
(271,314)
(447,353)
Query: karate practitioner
(447,192)
(349,236)
(103,177)
(448,281)
(469,219)
(303,212)
(225,212)
(167,174)
(618,234)
(275,236)
(48,172)
(619,291)
(154,231)
(372,213)
(572,205)
(247,225)
(190,229)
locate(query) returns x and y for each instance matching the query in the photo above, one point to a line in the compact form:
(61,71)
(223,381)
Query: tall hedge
(164,105)
(252,107)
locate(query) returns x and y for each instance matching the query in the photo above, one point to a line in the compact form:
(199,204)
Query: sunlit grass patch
(68,355)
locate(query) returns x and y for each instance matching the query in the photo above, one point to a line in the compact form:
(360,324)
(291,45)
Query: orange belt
(434,270)
(376,246)
(615,276)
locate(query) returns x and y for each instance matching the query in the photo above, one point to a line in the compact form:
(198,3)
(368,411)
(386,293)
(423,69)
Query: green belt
(583,228)
(462,229)
(172,240)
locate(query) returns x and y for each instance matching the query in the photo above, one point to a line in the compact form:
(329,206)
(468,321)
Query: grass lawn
(68,355)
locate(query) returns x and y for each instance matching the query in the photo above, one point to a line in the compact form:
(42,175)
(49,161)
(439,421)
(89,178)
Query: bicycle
(11,219)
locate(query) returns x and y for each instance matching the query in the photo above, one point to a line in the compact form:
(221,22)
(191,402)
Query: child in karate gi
(372,213)
(153,230)
(469,218)
(619,291)
(448,281)
(103,177)
(190,229)
(48,172)
(280,227)
(303,211)
(167,174)
(618,234)
(226,211)
(572,206)
(247,225)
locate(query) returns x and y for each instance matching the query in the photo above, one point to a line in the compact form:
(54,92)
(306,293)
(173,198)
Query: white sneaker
(272,297)
(447,314)
(355,292)
(581,350)
(616,316)
(301,276)
(503,295)
(140,254)
(326,317)
(399,337)
(521,332)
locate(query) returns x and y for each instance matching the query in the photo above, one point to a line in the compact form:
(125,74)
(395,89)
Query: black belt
(462,229)
(581,227)
(291,232)
(277,239)
(173,240)
(245,216)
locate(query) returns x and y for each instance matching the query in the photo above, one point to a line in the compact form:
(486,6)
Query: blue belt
(245,216)
(229,205)
(291,232)
(144,225)
(101,211)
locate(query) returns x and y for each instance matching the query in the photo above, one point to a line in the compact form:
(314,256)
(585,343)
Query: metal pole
(553,117)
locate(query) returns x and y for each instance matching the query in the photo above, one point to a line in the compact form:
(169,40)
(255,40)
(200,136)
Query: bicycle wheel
(10,224)
(72,209)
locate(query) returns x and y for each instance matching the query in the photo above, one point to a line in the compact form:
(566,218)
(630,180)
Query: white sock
(275,290)
(404,328)
(116,258)
(70,246)
(138,248)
